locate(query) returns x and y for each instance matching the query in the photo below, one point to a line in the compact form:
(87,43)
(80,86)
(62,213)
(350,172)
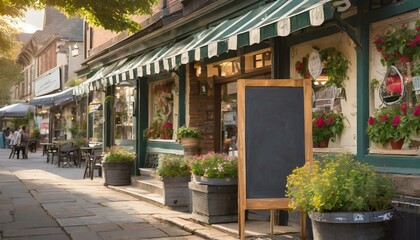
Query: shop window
(124,116)
(394,105)
(374,4)
(262,60)
(163,110)
(229,68)
(229,119)
(96,117)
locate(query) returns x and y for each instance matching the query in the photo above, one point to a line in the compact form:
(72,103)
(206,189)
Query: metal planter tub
(352,225)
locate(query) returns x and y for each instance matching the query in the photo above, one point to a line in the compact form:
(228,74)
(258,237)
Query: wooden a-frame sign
(274,137)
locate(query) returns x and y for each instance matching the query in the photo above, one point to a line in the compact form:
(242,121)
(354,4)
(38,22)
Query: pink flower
(384,117)
(330,121)
(386,56)
(371,121)
(405,59)
(320,122)
(416,111)
(396,120)
(403,107)
(167,125)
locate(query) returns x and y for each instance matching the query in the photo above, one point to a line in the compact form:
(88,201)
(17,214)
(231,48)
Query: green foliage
(171,165)
(338,183)
(327,125)
(35,133)
(214,165)
(335,65)
(188,132)
(9,46)
(10,74)
(160,128)
(396,121)
(115,15)
(118,155)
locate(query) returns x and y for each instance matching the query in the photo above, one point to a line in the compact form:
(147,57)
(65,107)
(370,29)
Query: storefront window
(229,119)
(96,117)
(163,110)
(124,117)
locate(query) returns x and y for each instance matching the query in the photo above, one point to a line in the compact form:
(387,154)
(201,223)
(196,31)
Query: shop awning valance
(97,80)
(278,18)
(55,99)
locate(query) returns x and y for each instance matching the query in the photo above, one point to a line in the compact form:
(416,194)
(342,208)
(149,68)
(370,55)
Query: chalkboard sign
(274,137)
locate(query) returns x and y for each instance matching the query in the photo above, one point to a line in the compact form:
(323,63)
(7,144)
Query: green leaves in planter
(188,132)
(171,165)
(117,154)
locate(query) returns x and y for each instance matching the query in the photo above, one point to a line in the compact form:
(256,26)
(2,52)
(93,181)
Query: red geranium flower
(384,117)
(416,111)
(371,121)
(330,121)
(320,122)
(396,120)
(404,107)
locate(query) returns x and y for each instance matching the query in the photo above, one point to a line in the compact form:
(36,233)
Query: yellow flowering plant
(338,183)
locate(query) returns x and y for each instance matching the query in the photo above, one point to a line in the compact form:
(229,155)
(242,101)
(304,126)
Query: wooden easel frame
(269,203)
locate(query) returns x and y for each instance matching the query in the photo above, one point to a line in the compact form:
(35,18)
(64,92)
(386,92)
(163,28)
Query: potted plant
(214,188)
(190,139)
(335,65)
(394,124)
(175,174)
(117,164)
(345,199)
(326,126)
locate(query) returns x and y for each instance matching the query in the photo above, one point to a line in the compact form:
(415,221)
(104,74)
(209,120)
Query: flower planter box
(214,181)
(214,203)
(176,192)
(352,225)
(117,174)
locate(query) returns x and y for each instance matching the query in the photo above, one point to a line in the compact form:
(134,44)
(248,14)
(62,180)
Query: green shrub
(171,165)
(338,183)
(118,155)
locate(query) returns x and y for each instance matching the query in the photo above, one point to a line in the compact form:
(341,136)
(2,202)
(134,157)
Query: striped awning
(278,18)
(97,80)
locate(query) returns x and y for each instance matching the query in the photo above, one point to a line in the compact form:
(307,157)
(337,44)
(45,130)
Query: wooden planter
(352,225)
(214,203)
(117,174)
(176,192)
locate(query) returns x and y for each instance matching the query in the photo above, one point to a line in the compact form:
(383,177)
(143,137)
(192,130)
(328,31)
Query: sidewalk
(40,201)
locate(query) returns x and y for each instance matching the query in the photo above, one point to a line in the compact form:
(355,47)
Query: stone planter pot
(176,192)
(352,225)
(214,203)
(117,174)
(214,181)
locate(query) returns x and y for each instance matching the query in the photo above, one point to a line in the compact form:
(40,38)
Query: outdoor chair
(16,149)
(93,161)
(68,153)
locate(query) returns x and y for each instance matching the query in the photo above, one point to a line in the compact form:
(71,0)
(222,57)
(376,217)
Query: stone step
(141,194)
(149,184)
(150,172)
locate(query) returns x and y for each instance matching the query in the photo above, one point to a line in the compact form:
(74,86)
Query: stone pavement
(40,201)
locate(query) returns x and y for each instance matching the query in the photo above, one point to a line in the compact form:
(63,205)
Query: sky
(32,21)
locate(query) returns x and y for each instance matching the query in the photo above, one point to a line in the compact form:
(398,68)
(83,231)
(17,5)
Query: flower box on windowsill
(161,140)
(405,152)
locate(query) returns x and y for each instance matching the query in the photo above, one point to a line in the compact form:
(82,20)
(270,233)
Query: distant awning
(97,79)
(54,99)
(16,110)
(278,18)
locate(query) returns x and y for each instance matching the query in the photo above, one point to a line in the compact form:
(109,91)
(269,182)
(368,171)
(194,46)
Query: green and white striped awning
(278,18)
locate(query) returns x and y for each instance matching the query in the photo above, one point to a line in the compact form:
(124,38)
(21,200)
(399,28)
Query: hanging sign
(315,64)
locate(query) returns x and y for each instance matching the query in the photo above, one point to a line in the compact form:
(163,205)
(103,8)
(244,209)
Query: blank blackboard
(275,141)
(274,137)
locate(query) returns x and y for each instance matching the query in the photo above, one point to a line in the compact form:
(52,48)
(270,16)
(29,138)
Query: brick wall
(201,109)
